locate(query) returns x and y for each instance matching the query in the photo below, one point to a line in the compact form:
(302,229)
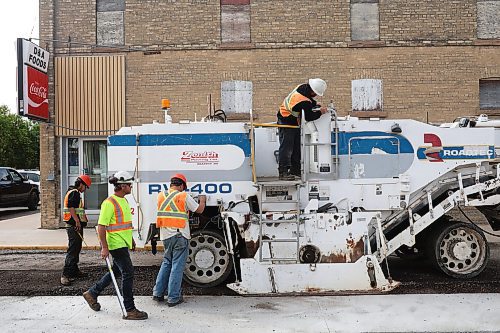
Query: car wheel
(33,201)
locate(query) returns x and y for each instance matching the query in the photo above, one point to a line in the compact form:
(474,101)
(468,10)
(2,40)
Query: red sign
(36,102)
(32,80)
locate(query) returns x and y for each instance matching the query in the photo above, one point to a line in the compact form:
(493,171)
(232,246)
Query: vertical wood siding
(89,95)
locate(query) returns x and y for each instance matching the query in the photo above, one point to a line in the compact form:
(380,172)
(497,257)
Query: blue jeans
(121,264)
(169,279)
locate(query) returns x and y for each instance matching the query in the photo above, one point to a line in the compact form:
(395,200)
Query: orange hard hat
(85,179)
(181,177)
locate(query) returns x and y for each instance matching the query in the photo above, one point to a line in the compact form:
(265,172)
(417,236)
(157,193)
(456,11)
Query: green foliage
(19,141)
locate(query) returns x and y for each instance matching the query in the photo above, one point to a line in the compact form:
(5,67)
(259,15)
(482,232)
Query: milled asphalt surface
(361,313)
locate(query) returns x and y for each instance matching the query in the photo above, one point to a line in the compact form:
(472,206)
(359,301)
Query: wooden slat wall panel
(89,95)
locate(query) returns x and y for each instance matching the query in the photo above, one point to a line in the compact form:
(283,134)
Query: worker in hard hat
(290,112)
(75,219)
(115,234)
(173,221)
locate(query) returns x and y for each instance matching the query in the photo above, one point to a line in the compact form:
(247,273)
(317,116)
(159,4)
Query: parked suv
(16,190)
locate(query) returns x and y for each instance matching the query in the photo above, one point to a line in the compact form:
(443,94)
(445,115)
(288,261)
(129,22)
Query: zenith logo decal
(436,152)
(206,157)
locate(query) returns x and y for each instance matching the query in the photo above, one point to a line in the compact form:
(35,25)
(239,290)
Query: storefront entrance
(86,156)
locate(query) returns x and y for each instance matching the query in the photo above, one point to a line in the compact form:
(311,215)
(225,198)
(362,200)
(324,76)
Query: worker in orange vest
(290,112)
(75,219)
(173,221)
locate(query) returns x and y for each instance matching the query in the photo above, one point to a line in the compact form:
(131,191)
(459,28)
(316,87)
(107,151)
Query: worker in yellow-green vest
(75,219)
(115,234)
(173,220)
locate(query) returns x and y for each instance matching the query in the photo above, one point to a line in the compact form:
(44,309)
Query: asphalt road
(37,273)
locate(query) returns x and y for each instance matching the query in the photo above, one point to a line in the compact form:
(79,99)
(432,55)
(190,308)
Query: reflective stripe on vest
(172,210)
(80,211)
(120,223)
(290,101)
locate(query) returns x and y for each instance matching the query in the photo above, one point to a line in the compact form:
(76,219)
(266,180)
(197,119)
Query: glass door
(95,164)
(88,156)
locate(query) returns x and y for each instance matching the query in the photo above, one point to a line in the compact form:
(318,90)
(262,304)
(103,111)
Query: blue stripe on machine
(361,143)
(236,139)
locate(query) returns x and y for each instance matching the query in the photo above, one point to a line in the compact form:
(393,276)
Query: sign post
(32,80)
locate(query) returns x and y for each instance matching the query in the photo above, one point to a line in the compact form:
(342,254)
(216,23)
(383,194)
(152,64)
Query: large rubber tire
(33,201)
(458,249)
(209,263)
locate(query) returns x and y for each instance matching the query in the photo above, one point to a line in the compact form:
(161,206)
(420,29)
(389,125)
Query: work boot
(92,301)
(136,315)
(81,275)
(286,176)
(66,281)
(158,299)
(295,173)
(181,300)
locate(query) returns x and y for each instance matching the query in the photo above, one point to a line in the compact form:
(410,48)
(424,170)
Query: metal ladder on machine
(264,222)
(334,144)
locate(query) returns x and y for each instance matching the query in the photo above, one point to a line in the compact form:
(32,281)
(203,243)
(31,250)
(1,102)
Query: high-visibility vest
(172,210)
(290,101)
(80,211)
(120,224)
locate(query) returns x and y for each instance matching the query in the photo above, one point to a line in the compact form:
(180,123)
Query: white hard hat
(123,177)
(318,86)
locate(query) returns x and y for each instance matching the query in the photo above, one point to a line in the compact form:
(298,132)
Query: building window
(235,21)
(364,20)
(110,22)
(489,94)
(488,24)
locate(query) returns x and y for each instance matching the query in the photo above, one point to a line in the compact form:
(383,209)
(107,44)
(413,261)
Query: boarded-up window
(488,19)
(367,95)
(110,22)
(235,21)
(364,20)
(236,96)
(489,94)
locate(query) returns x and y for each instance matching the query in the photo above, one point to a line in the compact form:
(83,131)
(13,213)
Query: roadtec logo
(438,153)
(200,158)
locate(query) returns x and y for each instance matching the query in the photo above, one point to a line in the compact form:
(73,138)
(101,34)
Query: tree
(19,141)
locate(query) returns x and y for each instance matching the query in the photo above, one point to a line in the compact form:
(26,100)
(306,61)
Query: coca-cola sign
(36,102)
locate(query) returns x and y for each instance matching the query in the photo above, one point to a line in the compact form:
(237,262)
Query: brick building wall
(288,22)
(429,20)
(427,56)
(440,81)
(174,23)
(49,148)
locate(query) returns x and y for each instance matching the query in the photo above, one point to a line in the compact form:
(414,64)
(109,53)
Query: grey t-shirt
(168,232)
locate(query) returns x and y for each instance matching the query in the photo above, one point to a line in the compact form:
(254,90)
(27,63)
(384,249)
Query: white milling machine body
(369,188)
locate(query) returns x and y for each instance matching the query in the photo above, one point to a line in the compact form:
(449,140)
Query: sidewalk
(24,232)
(382,313)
